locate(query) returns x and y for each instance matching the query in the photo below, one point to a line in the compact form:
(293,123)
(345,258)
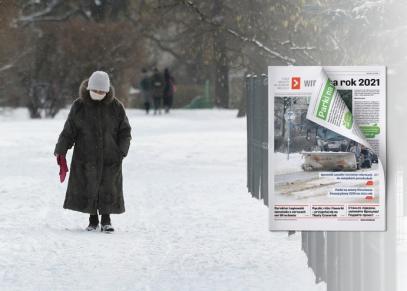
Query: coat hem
(88,211)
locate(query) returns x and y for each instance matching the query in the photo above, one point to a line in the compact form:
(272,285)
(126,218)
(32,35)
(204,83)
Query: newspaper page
(327,144)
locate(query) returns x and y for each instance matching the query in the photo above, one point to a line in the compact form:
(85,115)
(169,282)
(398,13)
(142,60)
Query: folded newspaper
(327,145)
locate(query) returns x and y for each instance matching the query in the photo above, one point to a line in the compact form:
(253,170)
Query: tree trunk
(222,81)
(221,60)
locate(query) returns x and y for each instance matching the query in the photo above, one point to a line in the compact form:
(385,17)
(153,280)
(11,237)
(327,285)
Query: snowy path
(297,177)
(189,224)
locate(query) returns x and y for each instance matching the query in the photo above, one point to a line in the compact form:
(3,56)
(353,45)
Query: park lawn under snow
(189,222)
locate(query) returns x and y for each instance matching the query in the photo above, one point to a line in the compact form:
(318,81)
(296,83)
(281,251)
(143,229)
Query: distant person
(145,87)
(169,89)
(157,84)
(98,128)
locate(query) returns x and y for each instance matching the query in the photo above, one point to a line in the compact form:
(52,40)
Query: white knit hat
(99,80)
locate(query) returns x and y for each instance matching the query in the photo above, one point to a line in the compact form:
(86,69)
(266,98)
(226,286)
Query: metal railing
(257,136)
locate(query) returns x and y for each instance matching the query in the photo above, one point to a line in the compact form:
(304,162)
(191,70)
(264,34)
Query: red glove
(63,167)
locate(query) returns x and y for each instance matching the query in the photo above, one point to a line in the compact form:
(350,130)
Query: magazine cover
(328,145)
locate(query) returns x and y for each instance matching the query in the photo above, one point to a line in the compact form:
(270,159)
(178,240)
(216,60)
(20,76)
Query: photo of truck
(334,152)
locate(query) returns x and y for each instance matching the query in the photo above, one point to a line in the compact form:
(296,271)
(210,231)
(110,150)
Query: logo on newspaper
(326,100)
(295,83)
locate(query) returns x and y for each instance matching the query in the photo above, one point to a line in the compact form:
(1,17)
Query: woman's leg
(147,106)
(106,219)
(106,223)
(93,222)
(155,102)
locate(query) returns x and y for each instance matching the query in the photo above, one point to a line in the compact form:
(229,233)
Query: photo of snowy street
(292,184)
(189,222)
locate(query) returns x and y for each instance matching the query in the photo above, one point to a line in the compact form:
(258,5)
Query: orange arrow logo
(295,83)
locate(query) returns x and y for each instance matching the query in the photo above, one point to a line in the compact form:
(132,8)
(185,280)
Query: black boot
(106,223)
(93,222)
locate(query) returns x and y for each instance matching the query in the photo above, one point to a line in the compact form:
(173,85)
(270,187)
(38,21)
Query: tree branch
(15,60)
(252,40)
(158,42)
(55,18)
(34,16)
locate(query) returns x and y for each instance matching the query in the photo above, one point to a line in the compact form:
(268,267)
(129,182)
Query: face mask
(96,96)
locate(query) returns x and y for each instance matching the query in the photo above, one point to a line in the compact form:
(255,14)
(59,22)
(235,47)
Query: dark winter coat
(168,90)
(157,84)
(100,133)
(145,83)
(145,86)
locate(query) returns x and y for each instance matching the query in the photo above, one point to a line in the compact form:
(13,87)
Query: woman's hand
(63,167)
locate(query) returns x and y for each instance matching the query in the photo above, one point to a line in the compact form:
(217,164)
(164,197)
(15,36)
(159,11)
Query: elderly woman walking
(98,128)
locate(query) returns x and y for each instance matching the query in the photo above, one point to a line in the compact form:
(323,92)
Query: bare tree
(84,36)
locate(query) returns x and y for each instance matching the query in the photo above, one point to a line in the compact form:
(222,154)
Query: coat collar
(85,96)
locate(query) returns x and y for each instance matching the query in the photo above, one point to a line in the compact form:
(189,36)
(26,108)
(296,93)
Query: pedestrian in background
(98,128)
(145,87)
(157,84)
(169,89)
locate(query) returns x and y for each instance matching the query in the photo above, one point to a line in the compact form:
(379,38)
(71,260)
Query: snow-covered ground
(189,224)
(292,165)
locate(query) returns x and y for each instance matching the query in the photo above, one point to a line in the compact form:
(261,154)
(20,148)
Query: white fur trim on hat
(100,81)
